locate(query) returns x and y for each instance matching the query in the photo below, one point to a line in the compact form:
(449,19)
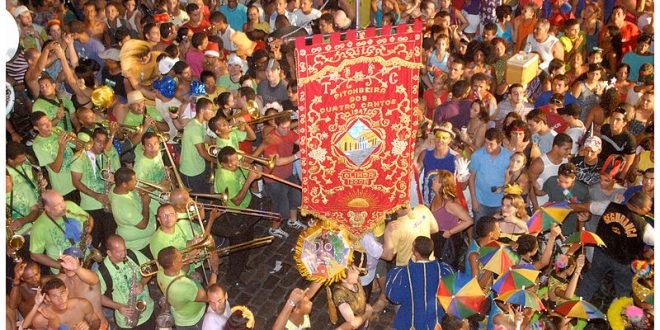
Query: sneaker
(279,233)
(296,224)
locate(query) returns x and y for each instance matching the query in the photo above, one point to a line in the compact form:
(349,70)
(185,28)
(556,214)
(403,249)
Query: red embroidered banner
(357,100)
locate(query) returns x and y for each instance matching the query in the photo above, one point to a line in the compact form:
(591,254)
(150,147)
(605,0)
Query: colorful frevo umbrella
(585,237)
(497,257)
(523,275)
(523,298)
(547,216)
(579,309)
(323,253)
(460,295)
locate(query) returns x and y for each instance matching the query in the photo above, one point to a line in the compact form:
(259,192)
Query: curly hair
(610,99)
(486,48)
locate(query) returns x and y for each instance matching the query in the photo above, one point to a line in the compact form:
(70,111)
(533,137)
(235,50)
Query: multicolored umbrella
(579,309)
(547,216)
(322,254)
(522,297)
(584,237)
(460,295)
(497,257)
(519,276)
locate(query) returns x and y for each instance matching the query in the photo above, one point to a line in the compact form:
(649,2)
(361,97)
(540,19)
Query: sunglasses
(621,110)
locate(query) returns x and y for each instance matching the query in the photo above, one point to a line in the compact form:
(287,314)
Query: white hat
(166,64)
(21,10)
(235,60)
(110,54)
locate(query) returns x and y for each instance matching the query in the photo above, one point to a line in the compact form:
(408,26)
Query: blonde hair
(448,185)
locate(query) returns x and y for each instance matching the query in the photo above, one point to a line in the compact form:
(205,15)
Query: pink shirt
(195,59)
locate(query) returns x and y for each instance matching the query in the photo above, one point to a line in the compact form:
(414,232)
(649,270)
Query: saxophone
(94,254)
(106,190)
(133,303)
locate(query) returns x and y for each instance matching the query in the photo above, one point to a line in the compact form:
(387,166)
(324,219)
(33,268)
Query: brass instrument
(163,197)
(252,109)
(237,210)
(271,176)
(213,150)
(14,241)
(123,129)
(165,136)
(221,197)
(261,119)
(151,267)
(163,140)
(80,144)
(134,304)
(106,188)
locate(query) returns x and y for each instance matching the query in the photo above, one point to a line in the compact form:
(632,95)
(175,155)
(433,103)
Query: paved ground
(265,292)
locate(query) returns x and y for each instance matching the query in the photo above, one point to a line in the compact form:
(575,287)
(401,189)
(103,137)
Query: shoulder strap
(105,274)
(132,256)
(169,285)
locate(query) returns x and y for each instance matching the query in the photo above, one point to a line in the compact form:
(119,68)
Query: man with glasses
(617,140)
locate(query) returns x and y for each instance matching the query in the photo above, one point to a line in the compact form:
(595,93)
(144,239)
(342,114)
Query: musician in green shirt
(23,189)
(59,111)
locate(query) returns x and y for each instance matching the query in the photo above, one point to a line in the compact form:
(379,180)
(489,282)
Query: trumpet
(252,109)
(80,144)
(122,128)
(163,197)
(213,150)
(189,256)
(272,177)
(237,210)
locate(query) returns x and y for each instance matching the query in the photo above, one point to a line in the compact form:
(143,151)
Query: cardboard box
(521,68)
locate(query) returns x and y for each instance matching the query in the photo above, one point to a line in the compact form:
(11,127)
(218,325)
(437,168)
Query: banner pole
(357,14)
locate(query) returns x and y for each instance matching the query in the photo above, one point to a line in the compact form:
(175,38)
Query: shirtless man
(27,277)
(93,25)
(82,283)
(60,310)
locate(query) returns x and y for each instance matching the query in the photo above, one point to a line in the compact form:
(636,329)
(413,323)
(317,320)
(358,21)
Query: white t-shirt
(298,18)
(213,320)
(163,108)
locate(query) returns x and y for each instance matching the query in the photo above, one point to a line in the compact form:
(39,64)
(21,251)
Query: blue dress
(431,163)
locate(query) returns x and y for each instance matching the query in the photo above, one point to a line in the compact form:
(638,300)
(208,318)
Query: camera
(494,188)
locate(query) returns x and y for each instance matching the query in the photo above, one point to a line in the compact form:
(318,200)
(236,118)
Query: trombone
(237,210)
(163,138)
(163,197)
(221,197)
(271,176)
(213,150)
(260,119)
(189,256)
(80,144)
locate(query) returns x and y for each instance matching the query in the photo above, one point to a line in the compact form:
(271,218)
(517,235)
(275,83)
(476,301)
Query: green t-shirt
(127,211)
(24,194)
(45,148)
(181,296)
(121,275)
(50,109)
(91,175)
(47,236)
(192,163)
(135,119)
(161,240)
(235,136)
(233,182)
(225,82)
(148,169)
(184,223)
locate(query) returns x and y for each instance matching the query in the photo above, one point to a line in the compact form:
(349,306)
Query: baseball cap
(20,10)
(134,97)
(594,143)
(572,110)
(166,64)
(273,64)
(110,54)
(234,60)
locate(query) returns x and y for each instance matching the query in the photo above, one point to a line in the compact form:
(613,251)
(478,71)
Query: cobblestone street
(265,293)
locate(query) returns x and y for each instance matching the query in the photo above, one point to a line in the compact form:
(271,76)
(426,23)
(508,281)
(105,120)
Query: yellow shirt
(416,223)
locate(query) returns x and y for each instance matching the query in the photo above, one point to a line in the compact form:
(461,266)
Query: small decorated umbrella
(497,257)
(522,297)
(584,237)
(547,216)
(322,254)
(460,295)
(519,276)
(579,309)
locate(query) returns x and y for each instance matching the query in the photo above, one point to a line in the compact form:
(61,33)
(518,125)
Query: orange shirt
(524,30)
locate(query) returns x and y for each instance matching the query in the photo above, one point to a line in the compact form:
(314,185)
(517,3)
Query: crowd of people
(114,194)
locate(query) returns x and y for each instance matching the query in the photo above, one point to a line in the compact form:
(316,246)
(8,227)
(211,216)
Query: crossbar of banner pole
(343,33)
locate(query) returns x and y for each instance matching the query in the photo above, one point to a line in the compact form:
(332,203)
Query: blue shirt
(489,173)
(91,50)
(235,17)
(544,99)
(424,277)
